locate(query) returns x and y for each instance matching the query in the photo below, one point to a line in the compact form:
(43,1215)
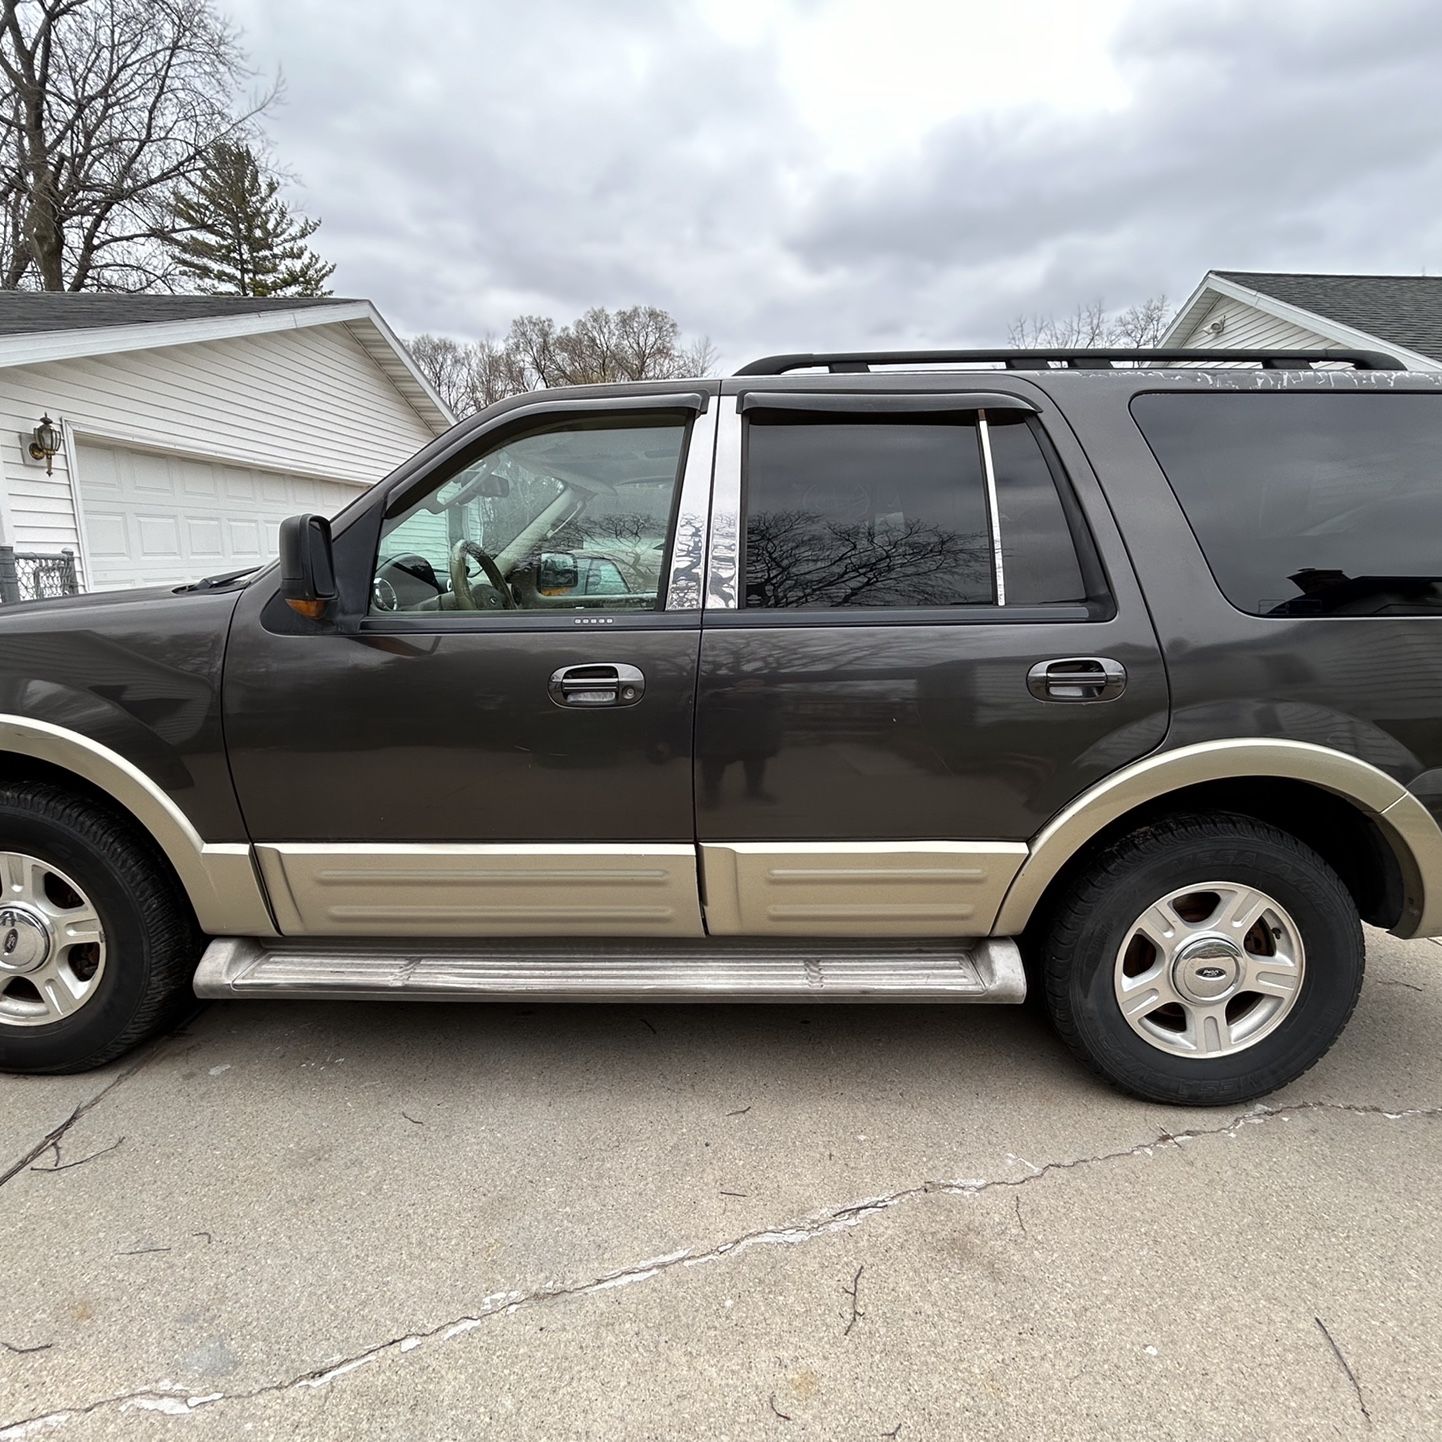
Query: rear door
(922,638)
(453,756)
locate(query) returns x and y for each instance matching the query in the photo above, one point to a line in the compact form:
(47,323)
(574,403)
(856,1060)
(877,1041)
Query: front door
(922,639)
(493,735)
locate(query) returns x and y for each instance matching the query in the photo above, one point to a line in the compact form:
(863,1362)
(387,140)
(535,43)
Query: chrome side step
(712,969)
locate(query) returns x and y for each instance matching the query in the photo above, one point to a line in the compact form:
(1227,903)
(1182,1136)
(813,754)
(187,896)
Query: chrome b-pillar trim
(686,581)
(723,583)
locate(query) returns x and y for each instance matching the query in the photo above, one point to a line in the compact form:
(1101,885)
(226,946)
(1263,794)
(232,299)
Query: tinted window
(1040,559)
(865,513)
(1309,505)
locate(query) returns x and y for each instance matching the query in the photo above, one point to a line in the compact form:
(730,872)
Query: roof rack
(859,362)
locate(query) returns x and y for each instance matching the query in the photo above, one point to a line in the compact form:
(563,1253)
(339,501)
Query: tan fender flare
(219,878)
(1405,823)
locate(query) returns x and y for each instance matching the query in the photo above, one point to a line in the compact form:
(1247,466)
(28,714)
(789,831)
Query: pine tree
(235,236)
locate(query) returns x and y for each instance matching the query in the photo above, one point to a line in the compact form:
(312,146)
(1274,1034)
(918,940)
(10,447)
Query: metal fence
(26,577)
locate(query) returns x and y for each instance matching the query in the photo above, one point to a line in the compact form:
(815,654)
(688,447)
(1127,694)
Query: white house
(190,426)
(1267,310)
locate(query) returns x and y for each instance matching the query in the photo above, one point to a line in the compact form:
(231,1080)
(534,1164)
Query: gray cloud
(474,163)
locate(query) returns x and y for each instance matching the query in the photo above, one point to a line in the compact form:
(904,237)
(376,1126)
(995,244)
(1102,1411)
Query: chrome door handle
(1077,678)
(601,685)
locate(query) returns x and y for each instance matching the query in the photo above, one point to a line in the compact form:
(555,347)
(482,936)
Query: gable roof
(39,326)
(1401,314)
(1403,309)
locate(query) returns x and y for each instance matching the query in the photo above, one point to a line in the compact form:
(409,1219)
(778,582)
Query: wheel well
(1345,837)
(18,770)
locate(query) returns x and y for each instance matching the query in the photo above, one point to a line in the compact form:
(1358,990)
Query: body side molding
(1408,827)
(482,890)
(219,878)
(866,888)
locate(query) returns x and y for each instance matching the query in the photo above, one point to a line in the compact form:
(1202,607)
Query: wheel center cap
(1207,968)
(24,940)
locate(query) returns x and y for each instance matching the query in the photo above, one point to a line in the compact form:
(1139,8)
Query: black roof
(34,312)
(1403,309)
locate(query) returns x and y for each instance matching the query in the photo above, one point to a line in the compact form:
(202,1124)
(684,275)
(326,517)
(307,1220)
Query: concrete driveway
(418,1222)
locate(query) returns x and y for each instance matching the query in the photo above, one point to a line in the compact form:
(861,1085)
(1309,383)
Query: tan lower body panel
(877,888)
(477,891)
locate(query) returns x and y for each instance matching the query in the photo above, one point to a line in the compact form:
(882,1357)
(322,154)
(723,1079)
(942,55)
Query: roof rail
(858,362)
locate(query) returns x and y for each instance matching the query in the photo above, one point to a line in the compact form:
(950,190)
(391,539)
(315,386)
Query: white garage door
(153,520)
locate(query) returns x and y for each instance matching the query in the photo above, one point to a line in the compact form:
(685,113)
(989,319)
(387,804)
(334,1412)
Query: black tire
(1087,923)
(152,942)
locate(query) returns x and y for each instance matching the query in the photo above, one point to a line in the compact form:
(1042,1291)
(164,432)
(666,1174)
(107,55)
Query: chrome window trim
(993,510)
(686,577)
(723,558)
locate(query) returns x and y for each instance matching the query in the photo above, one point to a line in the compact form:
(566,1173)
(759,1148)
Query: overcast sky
(810,174)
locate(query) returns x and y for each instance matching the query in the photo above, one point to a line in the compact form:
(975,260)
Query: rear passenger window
(894,513)
(1309,504)
(866,513)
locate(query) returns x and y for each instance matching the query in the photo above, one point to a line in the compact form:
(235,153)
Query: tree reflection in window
(866,514)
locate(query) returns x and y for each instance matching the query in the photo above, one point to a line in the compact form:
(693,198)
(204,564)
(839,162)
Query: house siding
(306,402)
(1247,328)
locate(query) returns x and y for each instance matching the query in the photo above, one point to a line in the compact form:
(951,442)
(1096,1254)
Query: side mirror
(307,567)
(557,574)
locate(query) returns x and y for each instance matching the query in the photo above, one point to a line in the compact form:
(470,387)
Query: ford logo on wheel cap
(1211,973)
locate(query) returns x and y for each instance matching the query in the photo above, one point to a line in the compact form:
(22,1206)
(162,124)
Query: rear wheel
(97,943)
(1203,960)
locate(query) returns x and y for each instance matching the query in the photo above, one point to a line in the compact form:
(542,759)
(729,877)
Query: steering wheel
(465,550)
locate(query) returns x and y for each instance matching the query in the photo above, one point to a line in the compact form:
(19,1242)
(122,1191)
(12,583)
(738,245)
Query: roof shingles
(31,312)
(1403,309)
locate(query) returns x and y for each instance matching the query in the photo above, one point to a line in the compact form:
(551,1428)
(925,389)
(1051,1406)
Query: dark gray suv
(856,677)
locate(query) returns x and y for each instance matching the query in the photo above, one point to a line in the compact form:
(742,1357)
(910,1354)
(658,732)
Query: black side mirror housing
(557,574)
(307,565)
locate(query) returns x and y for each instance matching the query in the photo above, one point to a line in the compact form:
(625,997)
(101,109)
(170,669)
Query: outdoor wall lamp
(45,441)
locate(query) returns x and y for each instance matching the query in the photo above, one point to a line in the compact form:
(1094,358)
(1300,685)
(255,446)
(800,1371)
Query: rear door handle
(586,687)
(1077,678)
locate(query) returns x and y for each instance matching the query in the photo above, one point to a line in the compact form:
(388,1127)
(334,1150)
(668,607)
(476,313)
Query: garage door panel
(203,536)
(198,481)
(164,520)
(105,532)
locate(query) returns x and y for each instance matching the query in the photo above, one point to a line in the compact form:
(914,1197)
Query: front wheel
(1203,960)
(97,943)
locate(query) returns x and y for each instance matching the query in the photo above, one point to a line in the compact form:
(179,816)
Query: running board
(729,969)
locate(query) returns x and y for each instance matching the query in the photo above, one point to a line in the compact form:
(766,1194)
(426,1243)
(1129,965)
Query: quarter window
(1038,550)
(1309,504)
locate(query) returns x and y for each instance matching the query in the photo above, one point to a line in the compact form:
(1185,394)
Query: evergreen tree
(235,236)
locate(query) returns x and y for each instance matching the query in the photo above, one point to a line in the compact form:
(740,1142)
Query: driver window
(570,518)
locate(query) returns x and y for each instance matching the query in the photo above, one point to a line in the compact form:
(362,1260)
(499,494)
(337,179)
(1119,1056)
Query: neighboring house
(193,425)
(1258,310)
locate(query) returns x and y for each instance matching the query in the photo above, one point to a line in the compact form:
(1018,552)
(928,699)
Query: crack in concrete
(54,1138)
(174,1401)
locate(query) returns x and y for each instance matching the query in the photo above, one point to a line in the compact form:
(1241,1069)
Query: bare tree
(445,363)
(802,558)
(111,103)
(640,343)
(1145,324)
(1093,326)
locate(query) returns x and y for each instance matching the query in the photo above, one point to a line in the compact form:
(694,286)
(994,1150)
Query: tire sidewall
(1332,947)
